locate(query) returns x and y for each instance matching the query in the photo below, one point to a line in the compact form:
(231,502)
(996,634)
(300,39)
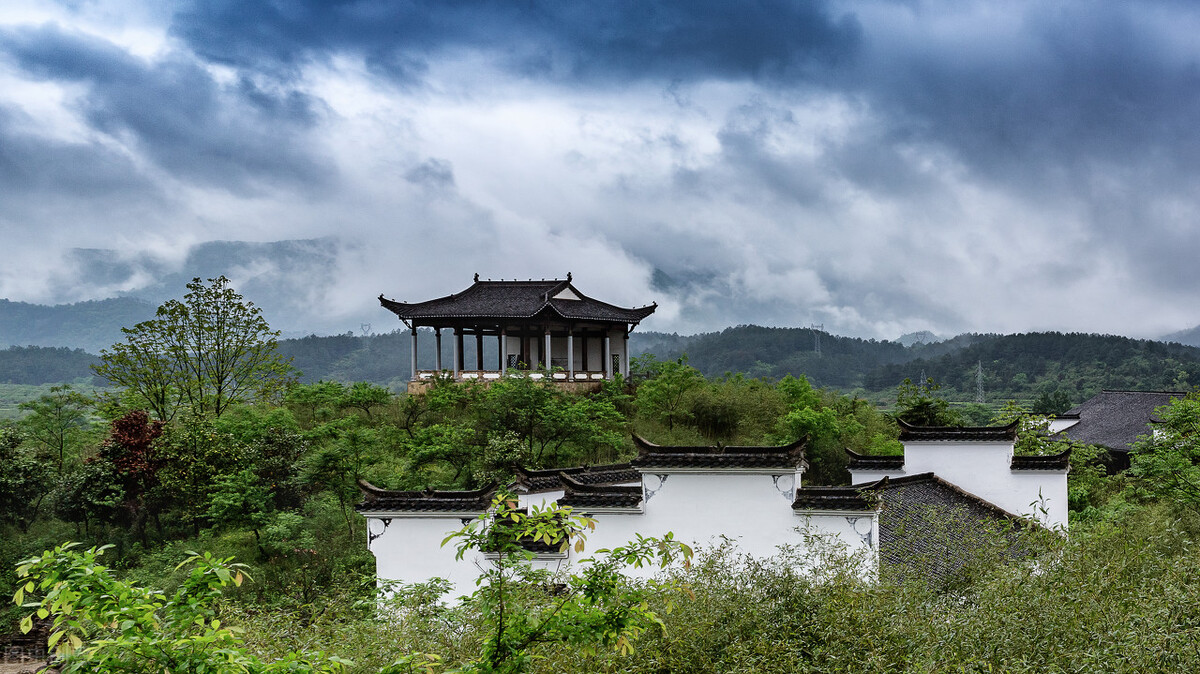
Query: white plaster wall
(868,476)
(985,470)
(698,508)
(410,550)
(858,533)
(753,510)
(540,499)
(1059,425)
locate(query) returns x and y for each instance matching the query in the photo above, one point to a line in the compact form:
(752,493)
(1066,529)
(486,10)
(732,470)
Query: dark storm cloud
(34,168)
(1074,83)
(547,38)
(236,136)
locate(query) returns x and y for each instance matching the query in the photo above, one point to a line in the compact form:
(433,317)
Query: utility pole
(816,337)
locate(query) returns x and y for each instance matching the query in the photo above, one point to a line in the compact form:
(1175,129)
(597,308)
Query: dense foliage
(33,365)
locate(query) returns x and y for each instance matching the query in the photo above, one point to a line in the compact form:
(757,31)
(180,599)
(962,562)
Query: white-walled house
(750,495)
(980,461)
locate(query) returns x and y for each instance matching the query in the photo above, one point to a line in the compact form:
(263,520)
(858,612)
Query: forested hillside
(90,326)
(1013,366)
(34,365)
(1079,364)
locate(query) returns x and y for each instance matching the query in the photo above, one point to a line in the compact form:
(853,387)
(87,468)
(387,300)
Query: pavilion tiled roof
(580,495)
(784,458)
(910,433)
(1114,419)
(874,461)
(536,481)
(515,300)
(376,499)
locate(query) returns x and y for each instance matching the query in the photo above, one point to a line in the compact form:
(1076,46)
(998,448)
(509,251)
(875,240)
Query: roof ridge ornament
(477,277)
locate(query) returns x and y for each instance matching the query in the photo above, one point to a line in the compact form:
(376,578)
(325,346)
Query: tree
(917,405)
(24,481)
(101,624)
(522,606)
(57,420)
(1167,462)
(662,395)
(206,353)
(1033,431)
(1052,402)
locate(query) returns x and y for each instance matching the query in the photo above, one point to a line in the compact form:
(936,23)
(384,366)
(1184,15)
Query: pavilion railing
(492,375)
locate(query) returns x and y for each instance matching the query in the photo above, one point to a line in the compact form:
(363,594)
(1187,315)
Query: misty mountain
(90,326)
(1189,337)
(286,279)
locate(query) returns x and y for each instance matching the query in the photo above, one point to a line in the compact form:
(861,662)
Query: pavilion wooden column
(478,350)
(607,356)
(503,350)
(570,354)
(625,357)
(457,355)
(438,335)
(526,348)
(414,353)
(584,364)
(546,353)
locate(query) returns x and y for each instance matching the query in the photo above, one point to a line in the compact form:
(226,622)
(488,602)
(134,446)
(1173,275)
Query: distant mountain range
(285,279)
(1006,366)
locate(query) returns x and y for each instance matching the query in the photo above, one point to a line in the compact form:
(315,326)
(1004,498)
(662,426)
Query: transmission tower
(979,381)
(816,336)
(366,328)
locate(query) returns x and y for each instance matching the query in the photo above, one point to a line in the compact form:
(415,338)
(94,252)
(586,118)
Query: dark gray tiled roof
(580,495)
(785,458)
(535,481)
(834,498)
(874,461)
(1114,419)
(910,433)
(514,300)
(376,499)
(1056,462)
(931,529)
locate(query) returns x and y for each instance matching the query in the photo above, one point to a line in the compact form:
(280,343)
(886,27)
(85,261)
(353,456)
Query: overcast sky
(875,167)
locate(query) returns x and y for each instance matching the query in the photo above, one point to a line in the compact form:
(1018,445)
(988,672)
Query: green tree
(662,396)
(918,405)
(1166,462)
(595,607)
(57,420)
(1033,431)
(1051,403)
(207,352)
(365,396)
(101,624)
(25,481)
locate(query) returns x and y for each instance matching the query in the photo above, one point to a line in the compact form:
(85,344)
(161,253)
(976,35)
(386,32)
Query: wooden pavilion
(546,327)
